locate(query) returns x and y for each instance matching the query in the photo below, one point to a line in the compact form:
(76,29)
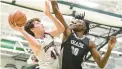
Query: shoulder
(91,44)
(86,38)
(48,34)
(68,38)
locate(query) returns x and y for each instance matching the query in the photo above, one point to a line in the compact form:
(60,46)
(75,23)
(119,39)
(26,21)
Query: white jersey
(44,57)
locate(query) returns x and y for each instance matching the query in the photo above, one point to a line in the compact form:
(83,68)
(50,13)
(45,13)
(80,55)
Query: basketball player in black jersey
(76,45)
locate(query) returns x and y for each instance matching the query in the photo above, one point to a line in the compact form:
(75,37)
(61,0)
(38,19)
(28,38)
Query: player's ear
(32,29)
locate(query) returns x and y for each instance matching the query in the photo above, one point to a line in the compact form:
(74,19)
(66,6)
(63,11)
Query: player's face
(38,27)
(77,25)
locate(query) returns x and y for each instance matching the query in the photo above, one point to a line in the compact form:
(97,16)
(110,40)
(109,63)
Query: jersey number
(75,50)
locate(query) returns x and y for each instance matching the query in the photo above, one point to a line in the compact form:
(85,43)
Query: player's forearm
(57,13)
(32,41)
(104,60)
(58,24)
(54,6)
(60,17)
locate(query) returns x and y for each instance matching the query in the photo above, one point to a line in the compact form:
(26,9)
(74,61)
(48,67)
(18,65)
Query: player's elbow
(62,29)
(101,66)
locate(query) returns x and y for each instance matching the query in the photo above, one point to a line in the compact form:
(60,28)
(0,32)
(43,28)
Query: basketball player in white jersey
(41,41)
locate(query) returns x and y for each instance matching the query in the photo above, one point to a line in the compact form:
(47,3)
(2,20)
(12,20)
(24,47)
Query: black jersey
(74,51)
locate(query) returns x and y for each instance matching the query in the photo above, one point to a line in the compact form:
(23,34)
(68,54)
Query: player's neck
(37,36)
(79,34)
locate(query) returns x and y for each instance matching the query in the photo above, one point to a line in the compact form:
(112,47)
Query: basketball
(17,18)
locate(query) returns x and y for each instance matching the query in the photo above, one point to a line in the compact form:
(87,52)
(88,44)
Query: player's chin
(73,27)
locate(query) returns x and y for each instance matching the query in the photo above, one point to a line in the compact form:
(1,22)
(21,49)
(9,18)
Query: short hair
(81,17)
(30,25)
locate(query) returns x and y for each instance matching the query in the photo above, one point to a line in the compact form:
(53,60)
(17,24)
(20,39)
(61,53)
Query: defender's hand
(111,42)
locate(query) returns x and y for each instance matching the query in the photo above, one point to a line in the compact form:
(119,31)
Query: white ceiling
(114,6)
(90,15)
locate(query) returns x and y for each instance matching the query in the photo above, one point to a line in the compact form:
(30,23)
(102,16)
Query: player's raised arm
(101,61)
(59,27)
(19,26)
(60,17)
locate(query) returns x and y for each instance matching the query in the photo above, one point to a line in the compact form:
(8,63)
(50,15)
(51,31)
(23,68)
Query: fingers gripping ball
(17,18)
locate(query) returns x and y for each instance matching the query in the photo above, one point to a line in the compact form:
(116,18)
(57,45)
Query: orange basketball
(17,18)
